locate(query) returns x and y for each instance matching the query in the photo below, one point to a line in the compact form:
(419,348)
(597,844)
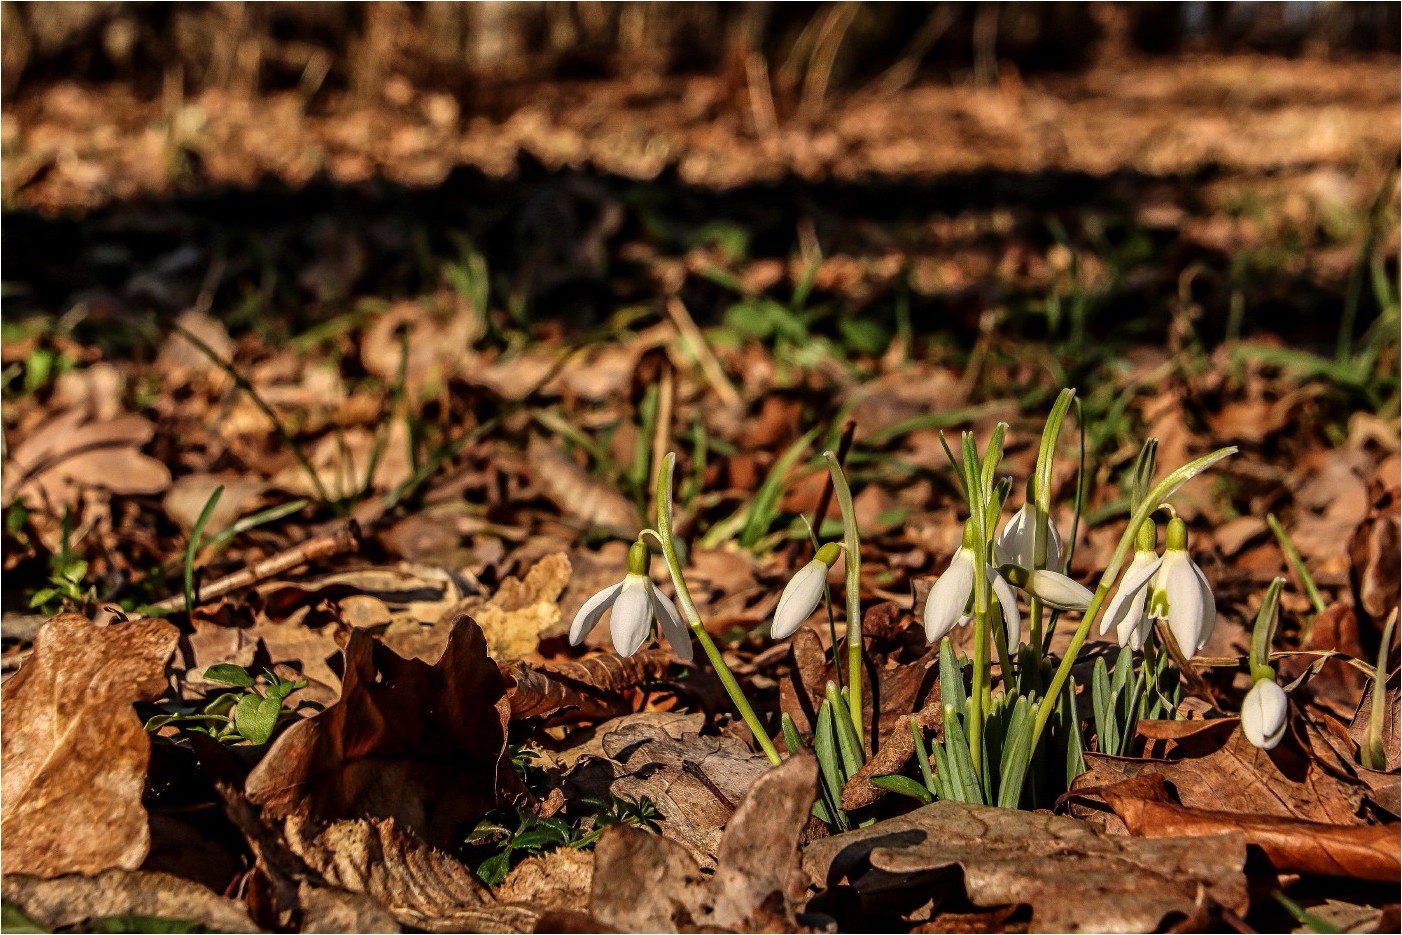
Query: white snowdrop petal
(1209,606)
(800,598)
(948,595)
(632,615)
(1263,714)
(1128,603)
(1007,599)
(1185,601)
(1056,590)
(592,612)
(677,633)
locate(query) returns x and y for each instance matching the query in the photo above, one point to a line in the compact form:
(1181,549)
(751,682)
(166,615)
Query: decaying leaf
(1073,878)
(72,901)
(417,743)
(1364,852)
(644,883)
(74,752)
(49,469)
(1358,725)
(421,886)
(695,781)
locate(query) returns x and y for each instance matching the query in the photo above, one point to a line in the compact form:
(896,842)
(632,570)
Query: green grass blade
(193,546)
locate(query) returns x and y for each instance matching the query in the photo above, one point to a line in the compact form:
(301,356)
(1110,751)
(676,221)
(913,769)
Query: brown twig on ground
(710,365)
(343,540)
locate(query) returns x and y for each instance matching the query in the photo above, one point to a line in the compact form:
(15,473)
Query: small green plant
(507,836)
(66,573)
(251,715)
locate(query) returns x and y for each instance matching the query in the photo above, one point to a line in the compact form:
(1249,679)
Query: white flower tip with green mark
(799,600)
(1263,714)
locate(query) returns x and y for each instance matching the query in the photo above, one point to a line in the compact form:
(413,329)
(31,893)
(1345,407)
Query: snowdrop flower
(1263,714)
(1180,594)
(636,602)
(1014,543)
(1050,587)
(948,602)
(803,592)
(1126,611)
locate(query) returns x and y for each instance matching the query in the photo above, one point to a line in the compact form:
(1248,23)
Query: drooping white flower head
(1050,587)
(1263,714)
(803,592)
(948,600)
(635,602)
(1180,594)
(1014,545)
(1127,611)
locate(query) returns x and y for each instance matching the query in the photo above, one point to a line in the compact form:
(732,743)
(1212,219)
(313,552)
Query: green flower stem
(1041,503)
(1165,489)
(851,547)
(693,616)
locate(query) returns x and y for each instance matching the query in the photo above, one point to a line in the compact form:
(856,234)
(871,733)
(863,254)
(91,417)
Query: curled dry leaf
(579,493)
(51,468)
(644,883)
(417,743)
(74,754)
(591,688)
(521,609)
(1072,878)
(70,902)
(1366,852)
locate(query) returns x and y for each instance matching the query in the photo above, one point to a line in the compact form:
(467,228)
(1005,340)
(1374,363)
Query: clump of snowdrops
(1010,733)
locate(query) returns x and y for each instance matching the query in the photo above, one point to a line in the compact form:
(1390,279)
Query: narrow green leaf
(922,756)
(848,746)
(903,785)
(193,546)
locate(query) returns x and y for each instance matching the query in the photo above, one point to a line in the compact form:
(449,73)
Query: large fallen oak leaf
(417,743)
(1073,878)
(645,883)
(1215,767)
(593,689)
(73,753)
(1366,852)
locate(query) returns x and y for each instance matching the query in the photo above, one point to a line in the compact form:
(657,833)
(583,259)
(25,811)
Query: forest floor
(324,416)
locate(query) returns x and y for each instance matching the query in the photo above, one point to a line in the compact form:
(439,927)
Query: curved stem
(693,616)
(853,560)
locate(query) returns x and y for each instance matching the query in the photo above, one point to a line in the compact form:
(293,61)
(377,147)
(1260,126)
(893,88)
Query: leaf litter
(450,762)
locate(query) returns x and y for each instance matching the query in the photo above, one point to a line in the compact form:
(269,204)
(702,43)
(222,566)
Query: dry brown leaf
(592,686)
(437,345)
(417,743)
(577,492)
(51,468)
(1217,768)
(558,879)
(695,781)
(181,362)
(644,883)
(342,461)
(1358,726)
(1367,852)
(69,902)
(74,752)
(1074,879)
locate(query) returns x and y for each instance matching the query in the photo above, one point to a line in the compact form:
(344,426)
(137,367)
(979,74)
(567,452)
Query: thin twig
(710,364)
(343,540)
